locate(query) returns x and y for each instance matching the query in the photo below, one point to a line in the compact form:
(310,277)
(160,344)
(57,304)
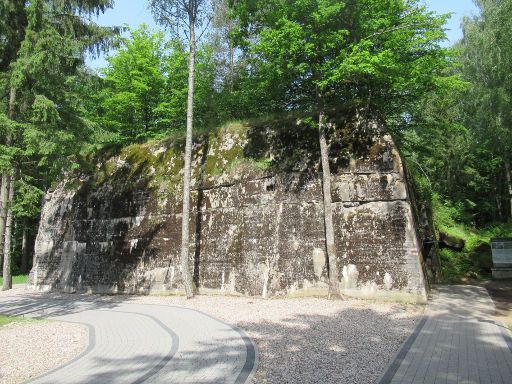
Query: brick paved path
(136,343)
(456,343)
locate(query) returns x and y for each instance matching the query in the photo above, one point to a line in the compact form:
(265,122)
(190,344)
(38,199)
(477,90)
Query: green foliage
(443,142)
(13,20)
(145,88)
(42,119)
(377,54)
(486,57)
(49,58)
(474,261)
(27,203)
(134,84)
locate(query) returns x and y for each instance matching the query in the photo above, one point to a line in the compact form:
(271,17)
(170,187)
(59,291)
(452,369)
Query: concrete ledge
(388,296)
(502,273)
(378,295)
(40,288)
(321,291)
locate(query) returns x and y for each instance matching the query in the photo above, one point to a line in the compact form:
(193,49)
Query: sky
(135,12)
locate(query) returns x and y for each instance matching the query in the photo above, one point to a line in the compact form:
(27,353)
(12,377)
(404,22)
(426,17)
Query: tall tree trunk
(185,242)
(1,243)
(4,195)
(4,189)
(7,284)
(24,249)
(334,285)
(499,207)
(509,185)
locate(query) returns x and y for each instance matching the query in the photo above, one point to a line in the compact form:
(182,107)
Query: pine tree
(40,120)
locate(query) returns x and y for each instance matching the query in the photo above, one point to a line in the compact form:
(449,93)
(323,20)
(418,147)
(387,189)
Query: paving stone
(458,343)
(137,343)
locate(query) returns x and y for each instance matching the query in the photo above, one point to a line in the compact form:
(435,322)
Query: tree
(7,282)
(144,92)
(487,64)
(185,17)
(224,26)
(446,157)
(134,84)
(13,20)
(41,120)
(314,55)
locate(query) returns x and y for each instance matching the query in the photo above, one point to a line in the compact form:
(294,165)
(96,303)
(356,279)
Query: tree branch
(394,29)
(205,28)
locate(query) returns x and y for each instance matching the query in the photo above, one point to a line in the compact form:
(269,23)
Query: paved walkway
(136,343)
(456,343)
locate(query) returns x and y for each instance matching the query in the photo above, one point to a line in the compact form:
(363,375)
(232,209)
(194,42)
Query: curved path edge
(402,352)
(47,307)
(252,357)
(90,346)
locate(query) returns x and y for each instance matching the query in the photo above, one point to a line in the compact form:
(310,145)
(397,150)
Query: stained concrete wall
(257,224)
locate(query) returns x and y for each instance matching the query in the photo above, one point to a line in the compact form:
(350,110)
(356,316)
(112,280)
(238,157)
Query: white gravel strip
(309,340)
(31,348)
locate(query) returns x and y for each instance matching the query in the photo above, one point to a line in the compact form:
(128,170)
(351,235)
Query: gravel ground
(31,348)
(312,340)
(308,340)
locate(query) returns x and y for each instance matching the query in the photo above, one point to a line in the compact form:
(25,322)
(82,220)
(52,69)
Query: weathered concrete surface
(257,226)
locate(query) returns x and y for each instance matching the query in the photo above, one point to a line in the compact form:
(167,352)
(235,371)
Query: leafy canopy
(382,53)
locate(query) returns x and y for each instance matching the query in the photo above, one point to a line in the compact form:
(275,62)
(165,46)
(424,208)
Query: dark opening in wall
(271,187)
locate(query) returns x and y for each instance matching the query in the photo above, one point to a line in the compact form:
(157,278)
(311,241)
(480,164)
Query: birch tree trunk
(509,185)
(7,284)
(231,63)
(185,241)
(334,285)
(24,249)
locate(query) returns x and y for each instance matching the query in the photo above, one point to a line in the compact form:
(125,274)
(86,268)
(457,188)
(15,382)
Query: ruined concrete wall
(257,225)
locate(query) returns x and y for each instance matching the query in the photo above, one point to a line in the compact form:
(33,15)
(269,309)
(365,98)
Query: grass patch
(18,279)
(475,260)
(4,320)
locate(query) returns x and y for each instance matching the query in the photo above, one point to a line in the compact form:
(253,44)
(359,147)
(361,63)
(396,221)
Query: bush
(475,260)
